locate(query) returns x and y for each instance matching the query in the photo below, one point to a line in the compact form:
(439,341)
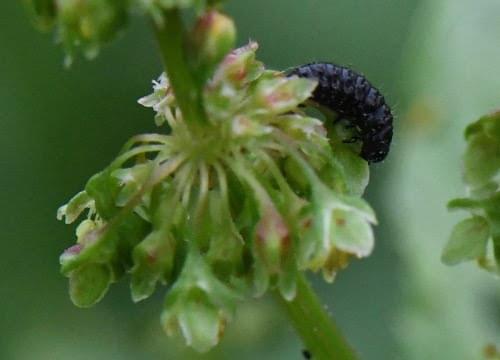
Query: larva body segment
(352,97)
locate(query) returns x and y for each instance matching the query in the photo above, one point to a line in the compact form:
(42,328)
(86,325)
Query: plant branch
(171,35)
(319,333)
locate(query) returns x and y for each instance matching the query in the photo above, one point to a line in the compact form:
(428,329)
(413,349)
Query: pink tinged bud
(272,239)
(278,97)
(153,262)
(71,252)
(240,53)
(239,67)
(212,38)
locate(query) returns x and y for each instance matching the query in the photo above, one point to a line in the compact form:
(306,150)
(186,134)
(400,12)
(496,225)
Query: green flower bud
(211,39)
(238,69)
(94,245)
(153,263)
(43,12)
(85,25)
(90,23)
(272,240)
(468,241)
(89,283)
(162,100)
(199,305)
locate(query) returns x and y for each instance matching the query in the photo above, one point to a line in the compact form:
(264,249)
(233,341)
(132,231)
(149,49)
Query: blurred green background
(437,64)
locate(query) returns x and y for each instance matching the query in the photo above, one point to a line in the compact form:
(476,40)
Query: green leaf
(89,283)
(486,190)
(488,125)
(465,204)
(481,160)
(467,242)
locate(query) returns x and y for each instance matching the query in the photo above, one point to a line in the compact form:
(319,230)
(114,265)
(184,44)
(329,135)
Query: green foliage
(221,210)
(468,241)
(478,237)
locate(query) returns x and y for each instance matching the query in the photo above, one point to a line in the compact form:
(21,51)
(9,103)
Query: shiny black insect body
(353,98)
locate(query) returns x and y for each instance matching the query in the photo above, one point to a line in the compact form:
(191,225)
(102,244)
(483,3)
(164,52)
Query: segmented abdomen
(352,97)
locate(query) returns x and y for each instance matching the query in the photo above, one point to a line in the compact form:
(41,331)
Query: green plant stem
(171,37)
(319,333)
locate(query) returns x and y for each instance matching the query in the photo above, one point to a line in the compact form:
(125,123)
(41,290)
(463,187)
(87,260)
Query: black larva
(353,98)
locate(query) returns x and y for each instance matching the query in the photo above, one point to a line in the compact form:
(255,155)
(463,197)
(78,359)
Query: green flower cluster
(478,236)
(85,25)
(221,210)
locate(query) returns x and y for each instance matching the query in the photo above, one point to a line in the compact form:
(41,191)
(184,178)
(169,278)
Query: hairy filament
(204,185)
(144,138)
(222,181)
(123,158)
(243,173)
